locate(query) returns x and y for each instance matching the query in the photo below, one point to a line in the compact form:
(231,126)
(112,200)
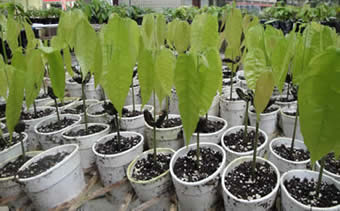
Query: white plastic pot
(2,126)
(14,150)
(33,140)
(42,101)
(288,203)
(8,186)
(260,151)
(100,118)
(325,171)
(154,187)
(137,123)
(233,203)
(69,100)
(214,137)
(88,102)
(91,92)
(287,124)
(59,184)
(112,168)
(286,104)
(201,195)
(52,139)
(283,164)
(137,94)
(166,137)
(268,121)
(85,143)
(232,111)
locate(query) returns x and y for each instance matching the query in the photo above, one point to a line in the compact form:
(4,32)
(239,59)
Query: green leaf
(15,99)
(31,41)
(271,38)
(164,72)
(3,78)
(98,62)
(255,37)
(161,30)
(254,66)
(147,30)
(188,92)
(210,79)
(68,61)
(179,33)
(146,74)
(67,23)
(204,32)
(249,21)
(122,44)
(34,76)
(319,100)
(13,30)
(57,73)
(263,91)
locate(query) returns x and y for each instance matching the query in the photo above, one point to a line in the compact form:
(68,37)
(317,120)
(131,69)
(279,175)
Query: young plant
(248,97)
(52,96)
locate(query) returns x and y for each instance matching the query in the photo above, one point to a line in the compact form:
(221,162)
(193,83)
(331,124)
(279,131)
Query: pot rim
(201,182)
(237,128)
(58,131)
(40,108)
(66,99)
(249,158)
(139,116)
(328,172)
(95,115)
(166,129)
(281,158)
(214,118)
(107,127)
(48,171)
(278,109)
(129,169)
(286,115)
(11,147)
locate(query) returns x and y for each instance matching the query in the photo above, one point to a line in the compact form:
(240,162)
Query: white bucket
(14,150)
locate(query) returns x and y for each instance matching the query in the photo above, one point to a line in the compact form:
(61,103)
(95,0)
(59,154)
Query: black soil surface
(132,113)
(113,146)
(2,110)
(42,96)
(42,165)
(11,168)
(296,155)
(146,169)
(304,191)
(40,114)
(229,83)
(186,168)
(285,100)
(241,183)
(4,143)
(267,110)
(82,132)
(236,141)
(171,122)
(98,112)
(210,127)
(76,110)
(242,78)
(332,164)
(227,74)
(55,126)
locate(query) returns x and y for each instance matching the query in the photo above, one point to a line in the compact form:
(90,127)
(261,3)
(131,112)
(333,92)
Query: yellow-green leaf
(204,32)
(263,92)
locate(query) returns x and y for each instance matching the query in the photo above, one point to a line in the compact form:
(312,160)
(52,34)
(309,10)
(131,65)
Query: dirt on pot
(304,191)
(112,146)
(241,183)
(295,155)
(82,132)
(186,168)
(146,168)
(12,167)
(55,126)
(42,165)
(39,114)
(332,164)
(5,142)
(237,142)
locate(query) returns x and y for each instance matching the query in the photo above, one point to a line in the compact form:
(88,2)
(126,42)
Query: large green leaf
(31,41)
(147,30)
(210,79)
(146,74)
(179,34)
(98,62)
(164,73)
(187,82)
(13,30)
(15,99)
(204,32)
(263,92)
(271,38)
(68,61)
(161,30)
(67,23)
(3,78)
(249,21)
(254,65)
(56,73)
(85,46)
(34,76)
(319,100)
(123,40)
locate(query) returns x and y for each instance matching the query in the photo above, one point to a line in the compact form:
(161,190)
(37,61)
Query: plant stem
(44,87)
(198,150)
(57,110)
(206,116)
(83,96)
(294,131)
(35,109)
(154,129)
(255,147)
(245,135)
(118,130)
(318,185)
(133,98)
(23,149)
(167,101)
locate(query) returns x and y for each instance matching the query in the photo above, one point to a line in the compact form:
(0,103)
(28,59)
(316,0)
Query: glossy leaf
(255,37)
(56,73)
(146,74)
(98,62)
(179,34)
(147,30)
(319,100)
(67,23)
(161,30)
(31,41)
(13,30)
(68,61)
(204,33)
(263,91)
(254,65)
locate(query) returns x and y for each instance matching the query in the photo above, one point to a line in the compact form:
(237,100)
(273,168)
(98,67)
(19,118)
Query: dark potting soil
(113,146)
(55,126)
(42,165)
(11,168)
(228,74)
(98,112)
(242,78)
(186,168)
(61,104)
(267,110)
(304,191)
(42,96)
(229,83)
(40,114)
(241,183)
(146,169)
(91,130)
(332,164)
(211,127)
(76,110)
(2,111)
(236,141)
(131,113)
(171,122)
(285,100)
(4,144)
(296,155)
(290,113)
